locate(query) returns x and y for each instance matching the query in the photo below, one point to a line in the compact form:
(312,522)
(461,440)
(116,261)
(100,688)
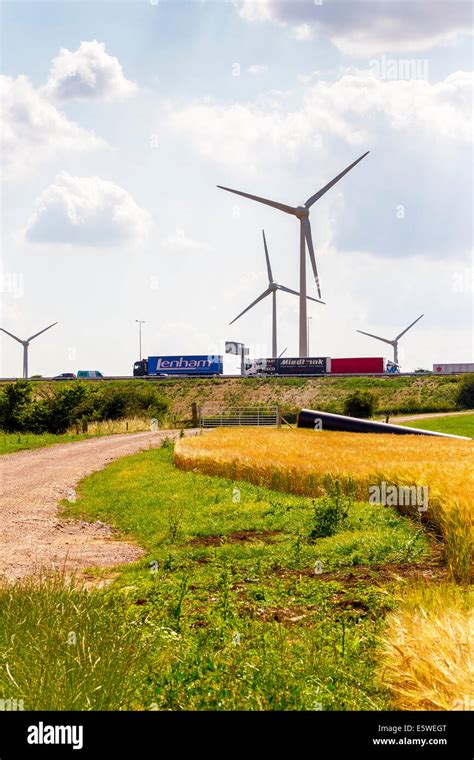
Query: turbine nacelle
(301,212)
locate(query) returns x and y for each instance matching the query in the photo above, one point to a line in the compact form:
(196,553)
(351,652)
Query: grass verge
(11,442)
(65,648)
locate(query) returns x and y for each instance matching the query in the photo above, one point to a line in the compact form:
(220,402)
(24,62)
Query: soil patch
(237,537)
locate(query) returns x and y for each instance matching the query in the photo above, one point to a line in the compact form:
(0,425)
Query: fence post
(194,414)
(278,416)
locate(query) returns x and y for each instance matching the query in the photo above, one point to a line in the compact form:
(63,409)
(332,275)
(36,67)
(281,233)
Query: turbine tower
(393,342)
(272,288)
(25,344)
(302,213)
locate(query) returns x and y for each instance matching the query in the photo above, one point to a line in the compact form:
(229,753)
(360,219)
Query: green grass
(11,442)
(461,424)
(228,609)
(63,647)
(233,607)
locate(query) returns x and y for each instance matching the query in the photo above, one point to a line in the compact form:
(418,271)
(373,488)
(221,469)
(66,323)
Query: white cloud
(86,211)
(418,134)
(257,68)
(354,109)
(33,130)
(88,73)
(180,241)
(366,27)
(302,32)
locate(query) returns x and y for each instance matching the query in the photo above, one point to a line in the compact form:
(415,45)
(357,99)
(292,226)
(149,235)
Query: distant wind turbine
(272,288)
(393,342)
(25,344)
(302,213)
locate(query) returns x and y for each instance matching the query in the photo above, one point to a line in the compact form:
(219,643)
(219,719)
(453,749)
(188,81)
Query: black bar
(153,734)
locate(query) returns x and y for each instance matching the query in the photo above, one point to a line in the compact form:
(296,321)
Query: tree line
(56,409)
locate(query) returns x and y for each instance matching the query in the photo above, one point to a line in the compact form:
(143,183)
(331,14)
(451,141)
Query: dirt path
(33,482)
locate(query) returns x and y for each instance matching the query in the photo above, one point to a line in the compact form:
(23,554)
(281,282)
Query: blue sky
(114,147)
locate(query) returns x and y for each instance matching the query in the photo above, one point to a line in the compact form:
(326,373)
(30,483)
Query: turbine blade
(375,336)
(267,257)
(309,241)
(261,296)
(330,184)
(15,337)
(41,331)
(275,204)
(295,293)
(406,329)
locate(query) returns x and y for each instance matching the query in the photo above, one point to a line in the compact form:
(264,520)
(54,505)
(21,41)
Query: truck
(453,368)
(311,365)
(161,366)
(363,365)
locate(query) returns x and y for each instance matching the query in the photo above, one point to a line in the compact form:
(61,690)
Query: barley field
(427,660)
(305,462)
(429,650)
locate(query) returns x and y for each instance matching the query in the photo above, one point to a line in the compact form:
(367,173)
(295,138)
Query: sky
(121,118)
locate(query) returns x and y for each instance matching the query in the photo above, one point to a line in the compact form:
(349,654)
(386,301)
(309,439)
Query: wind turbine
(25,344)
(393,342)
(272,288)
(302,213)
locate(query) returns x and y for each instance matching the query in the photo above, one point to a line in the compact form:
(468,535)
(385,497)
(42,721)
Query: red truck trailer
(362,365)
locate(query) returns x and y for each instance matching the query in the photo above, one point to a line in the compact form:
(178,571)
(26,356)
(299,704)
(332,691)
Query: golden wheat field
(428,652)
(308,462)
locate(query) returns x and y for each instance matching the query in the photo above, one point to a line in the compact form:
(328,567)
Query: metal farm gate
(238,416)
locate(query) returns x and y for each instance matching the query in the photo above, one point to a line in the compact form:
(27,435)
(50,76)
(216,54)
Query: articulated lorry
(449,369)
(322,365)
(162,366)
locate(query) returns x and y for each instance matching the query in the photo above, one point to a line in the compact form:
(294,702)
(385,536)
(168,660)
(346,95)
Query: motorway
(385,375)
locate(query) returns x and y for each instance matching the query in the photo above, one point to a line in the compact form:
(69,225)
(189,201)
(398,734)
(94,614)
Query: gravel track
(33,538)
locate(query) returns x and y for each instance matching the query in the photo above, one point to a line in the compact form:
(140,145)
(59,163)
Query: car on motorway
(89,374)
(65,376)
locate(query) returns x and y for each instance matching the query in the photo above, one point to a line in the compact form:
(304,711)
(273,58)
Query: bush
(112,403)
(359,404)
(15,404)
(330,512)
(66,405)
(465,394)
